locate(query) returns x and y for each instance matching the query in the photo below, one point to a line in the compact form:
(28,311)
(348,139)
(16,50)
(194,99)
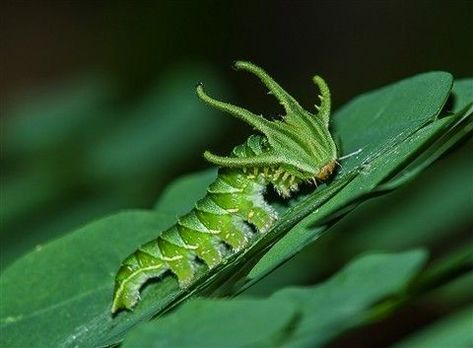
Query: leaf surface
(296,317)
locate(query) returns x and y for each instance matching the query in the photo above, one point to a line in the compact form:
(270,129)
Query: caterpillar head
(300,144)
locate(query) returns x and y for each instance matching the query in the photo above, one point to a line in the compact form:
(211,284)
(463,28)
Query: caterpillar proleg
(285,153)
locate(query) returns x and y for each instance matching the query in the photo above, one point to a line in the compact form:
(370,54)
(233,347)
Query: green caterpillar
(299,148)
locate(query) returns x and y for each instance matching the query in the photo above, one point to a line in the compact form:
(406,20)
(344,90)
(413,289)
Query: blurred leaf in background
(75,152)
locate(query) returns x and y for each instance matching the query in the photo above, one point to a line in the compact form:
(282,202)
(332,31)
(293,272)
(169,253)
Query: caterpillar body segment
(220,219)
(286,153)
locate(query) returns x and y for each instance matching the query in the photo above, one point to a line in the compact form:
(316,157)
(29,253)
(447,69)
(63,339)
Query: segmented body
(299,148)
(218,225)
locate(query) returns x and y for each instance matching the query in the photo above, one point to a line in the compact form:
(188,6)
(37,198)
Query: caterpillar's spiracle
(286,152)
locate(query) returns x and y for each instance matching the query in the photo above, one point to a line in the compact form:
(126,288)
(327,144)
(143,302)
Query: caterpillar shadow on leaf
(284,154)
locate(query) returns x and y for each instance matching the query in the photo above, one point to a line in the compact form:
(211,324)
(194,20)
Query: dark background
(356,45)
(94,97)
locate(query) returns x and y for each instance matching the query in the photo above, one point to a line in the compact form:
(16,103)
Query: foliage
(300,317)
(396,132)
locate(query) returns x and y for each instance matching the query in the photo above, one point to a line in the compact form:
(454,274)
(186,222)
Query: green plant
(401,129)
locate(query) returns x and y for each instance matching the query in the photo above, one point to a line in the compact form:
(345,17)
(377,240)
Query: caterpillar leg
(136,269)
(255,212)
(167,252)
(247,195)
(205,245)
(260,217)
(179,259)
(222,222)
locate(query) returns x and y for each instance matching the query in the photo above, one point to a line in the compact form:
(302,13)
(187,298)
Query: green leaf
(412,219)
(216,323)
(298,317)
(462,93)
(70,282)
(378,120)
(363,184)
(449,130)
(403,219)
(341,302)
